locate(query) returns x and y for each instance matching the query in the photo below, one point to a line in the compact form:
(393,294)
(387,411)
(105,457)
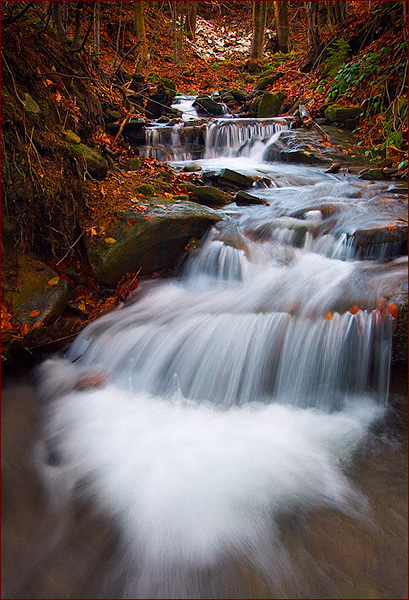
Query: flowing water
(238,447)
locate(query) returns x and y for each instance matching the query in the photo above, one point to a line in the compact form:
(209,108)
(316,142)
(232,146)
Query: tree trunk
(282,27)
(337,11)
(191,21)
(178,22)
(77,32)
(97,29)
(59,25)
(313,33)
(139,33)
(259,27)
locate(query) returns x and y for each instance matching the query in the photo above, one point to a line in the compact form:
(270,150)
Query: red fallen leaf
(328,316)
(393,310)
(38,324)
(24,329)
(147,216)
(34,313)
(354,309)
(392,227)
(131,222)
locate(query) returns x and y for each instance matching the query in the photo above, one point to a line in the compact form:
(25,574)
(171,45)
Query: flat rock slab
(152,241)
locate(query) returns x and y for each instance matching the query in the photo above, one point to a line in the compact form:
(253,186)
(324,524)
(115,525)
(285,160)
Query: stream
(248,440)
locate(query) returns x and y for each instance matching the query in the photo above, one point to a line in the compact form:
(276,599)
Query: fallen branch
(124,122)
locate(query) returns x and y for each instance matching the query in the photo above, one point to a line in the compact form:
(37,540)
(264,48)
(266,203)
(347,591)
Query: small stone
(30,105)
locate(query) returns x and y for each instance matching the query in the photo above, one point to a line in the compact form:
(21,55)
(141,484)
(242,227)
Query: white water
(230,401)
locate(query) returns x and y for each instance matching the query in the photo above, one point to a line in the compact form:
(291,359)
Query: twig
(9,20)
(125,56)
(70,248)
(124,122)
(12,79)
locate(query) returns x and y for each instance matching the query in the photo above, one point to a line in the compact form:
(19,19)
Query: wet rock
(341,114)
(239,95)
(205,105)
(400,335)
(372,174)
(40,289)
(381,233)
(309,147)
(152,241)
(209,195)
(246,199)
(334,168)
(232,180)
(270,104)
(192,168)
(326,210)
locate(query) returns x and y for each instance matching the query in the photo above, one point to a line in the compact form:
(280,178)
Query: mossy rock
(263,83)
(147,189)
(270,104)
(96,165)
(72,137)
(209,195)
(133,164)
(30,105)
(40,289)
(205,105)
(228,179)
(336,113)
(153,241)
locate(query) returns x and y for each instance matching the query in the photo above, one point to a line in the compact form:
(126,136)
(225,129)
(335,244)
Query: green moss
(146,189)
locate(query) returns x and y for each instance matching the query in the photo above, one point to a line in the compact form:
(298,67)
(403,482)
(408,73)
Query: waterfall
(231,398)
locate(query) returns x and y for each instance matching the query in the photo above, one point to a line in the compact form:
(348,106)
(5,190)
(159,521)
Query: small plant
(337,56)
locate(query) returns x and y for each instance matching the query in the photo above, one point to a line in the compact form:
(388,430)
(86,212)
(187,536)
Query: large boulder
(152,241)
(209,195)
(270,104)
(308,146)
(41,295)
(206,106)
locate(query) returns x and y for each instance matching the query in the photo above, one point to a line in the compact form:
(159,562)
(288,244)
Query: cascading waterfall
(234,395)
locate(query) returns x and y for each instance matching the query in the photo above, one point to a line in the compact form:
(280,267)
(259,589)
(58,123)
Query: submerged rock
(152,241)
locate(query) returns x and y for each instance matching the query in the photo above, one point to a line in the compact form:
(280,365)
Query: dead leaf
(58,96)
(24,329)
(393,310)
(38,324)
(54,281)
(110,240)
(328,316)
(354,309)
(34,313)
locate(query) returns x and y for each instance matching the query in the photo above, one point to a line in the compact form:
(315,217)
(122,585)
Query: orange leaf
(38,324)
(147,216)
(392,227)
(57,96)
(54,281)
(328,316)
(24,329)
(34,313)
(110,240)
(354,309)
(393,310)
